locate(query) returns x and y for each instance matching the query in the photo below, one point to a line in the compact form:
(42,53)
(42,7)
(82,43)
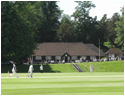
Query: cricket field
(84,83)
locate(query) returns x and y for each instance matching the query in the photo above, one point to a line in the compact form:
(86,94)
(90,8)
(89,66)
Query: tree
(49,19)
(103,33)
(85,26)
(111,29)
(119,40)
(65,33)
(66,19)
(18,26)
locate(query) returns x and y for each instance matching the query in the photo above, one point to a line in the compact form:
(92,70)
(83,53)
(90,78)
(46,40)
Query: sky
(108,7)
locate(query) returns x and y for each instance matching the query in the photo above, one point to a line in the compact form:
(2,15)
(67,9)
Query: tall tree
(86,26)
(49,21)
(111,29)
(66,19)
(119,40)
(103,32)
(18,26)
(65,33)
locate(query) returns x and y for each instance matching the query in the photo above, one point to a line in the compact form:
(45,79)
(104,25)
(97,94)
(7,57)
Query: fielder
(30,70)
(91,68)
(13,70)
(41,68)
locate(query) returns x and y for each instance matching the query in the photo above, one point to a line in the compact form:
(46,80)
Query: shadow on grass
(47,68)
(25,68)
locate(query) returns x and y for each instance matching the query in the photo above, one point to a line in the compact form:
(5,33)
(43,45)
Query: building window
(48,57)
(111,55)
(92,57)
(58,57)
(83,57)
(38,58)
(74,57)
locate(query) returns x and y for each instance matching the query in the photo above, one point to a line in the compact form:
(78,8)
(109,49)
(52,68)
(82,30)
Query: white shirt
(14,68)
(63,61)
(31,68)
(41,67)
(91,67)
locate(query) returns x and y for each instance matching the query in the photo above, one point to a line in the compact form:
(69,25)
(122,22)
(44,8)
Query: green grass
(98,83)
(109,66)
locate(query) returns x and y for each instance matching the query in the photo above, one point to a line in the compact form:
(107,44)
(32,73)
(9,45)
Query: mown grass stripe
(66,91)
(64,84)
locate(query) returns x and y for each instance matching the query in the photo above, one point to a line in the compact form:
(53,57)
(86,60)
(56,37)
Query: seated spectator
(49,61)
(37,62)
(105,59)
(52,61)
(63,61)
(46,62)
(101,60)
(80,60)
(59,62)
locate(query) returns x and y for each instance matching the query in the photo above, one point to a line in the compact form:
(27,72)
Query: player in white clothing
(91,68)
(13,70)
(41,68)
(30,70)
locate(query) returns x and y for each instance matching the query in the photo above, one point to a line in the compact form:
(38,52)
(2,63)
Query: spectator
(63,61)
(80,60)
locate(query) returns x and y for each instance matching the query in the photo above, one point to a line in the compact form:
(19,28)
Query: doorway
(66,59)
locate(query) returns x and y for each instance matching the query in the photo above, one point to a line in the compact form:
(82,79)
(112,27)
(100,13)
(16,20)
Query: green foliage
(111,29)
(17,30)
(65,33)
(119,40)
(107,44)
(66,19)
(103,32)
(111,37)
(49,21)
(25,23)
(85,26)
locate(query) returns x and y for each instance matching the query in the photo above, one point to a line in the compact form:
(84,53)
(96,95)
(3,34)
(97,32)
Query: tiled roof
(94,48)
(60,48)
(114,51)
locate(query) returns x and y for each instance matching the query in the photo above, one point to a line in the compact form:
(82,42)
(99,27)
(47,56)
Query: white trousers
(31,73)
(91,70)
(14,73)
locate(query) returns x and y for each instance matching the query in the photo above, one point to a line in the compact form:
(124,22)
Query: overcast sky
(108,7)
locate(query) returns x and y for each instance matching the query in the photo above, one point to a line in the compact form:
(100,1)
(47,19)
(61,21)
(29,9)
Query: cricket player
(30,70)
(91,68)
(41,68)
(13,70)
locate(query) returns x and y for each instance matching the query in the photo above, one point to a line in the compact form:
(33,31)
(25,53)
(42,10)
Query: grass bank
(109,66)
